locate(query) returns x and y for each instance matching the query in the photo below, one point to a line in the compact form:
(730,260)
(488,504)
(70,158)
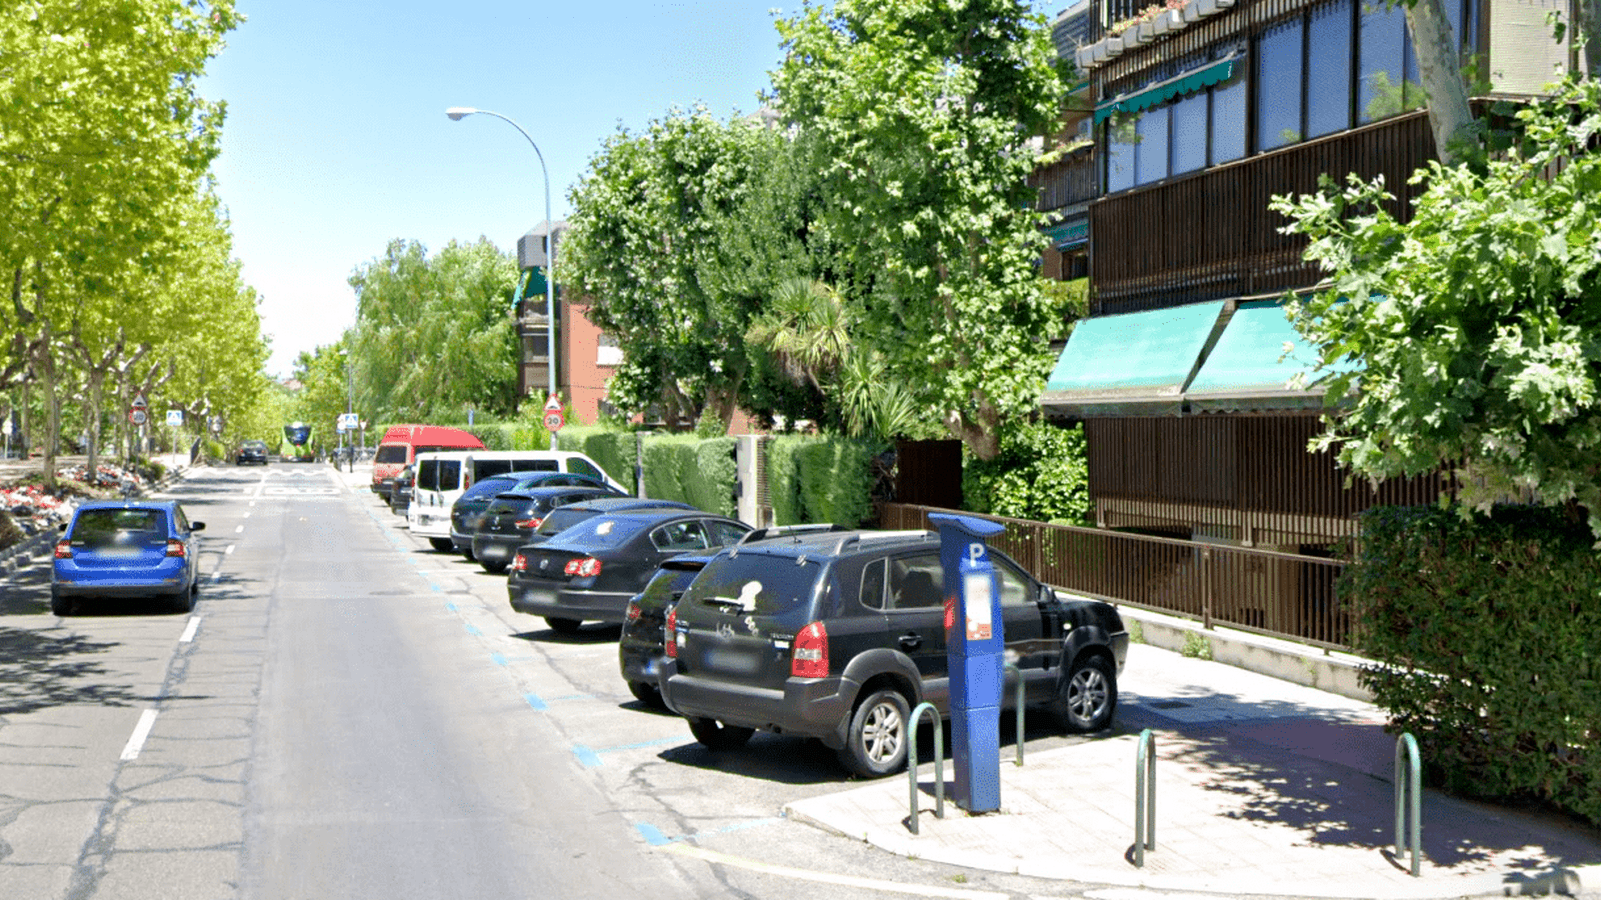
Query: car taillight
(63,549)
(520,564)
(810,656)
(633,613)
(529,524)
(588,567)
(670,645)
(176,548)
(950,615)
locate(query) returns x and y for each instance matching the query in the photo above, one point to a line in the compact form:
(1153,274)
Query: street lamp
(456,114)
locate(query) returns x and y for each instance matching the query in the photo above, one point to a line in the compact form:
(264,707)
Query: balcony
(1210,235)
(1069,181)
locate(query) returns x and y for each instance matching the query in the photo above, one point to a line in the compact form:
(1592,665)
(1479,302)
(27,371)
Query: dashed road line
(189,632)
(136,741)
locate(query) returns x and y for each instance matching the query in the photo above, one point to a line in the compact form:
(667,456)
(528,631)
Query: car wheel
(184,600)
(442,545)
(646,693)
(876,743)
(59,605)
(1087,697)
(717,736)
(563,626)
(468,555)
(495,568)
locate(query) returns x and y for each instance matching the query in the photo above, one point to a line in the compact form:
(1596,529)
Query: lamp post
(456,114)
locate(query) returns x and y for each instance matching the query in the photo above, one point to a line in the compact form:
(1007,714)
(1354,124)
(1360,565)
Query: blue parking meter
(975,644)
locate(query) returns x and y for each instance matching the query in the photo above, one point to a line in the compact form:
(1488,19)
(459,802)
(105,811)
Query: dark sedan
(589,571)
(468,510)
(251,452)
(512,516)
(400,491)
(562,519)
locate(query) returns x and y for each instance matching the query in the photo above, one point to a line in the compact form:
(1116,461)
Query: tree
(1476,328)
(674,246)
(919,116)
(435,336)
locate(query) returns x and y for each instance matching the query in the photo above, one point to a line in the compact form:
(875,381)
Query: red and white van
(402,443)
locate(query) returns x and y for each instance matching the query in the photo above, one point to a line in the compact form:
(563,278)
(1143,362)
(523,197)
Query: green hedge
(1041,473)
(611,449)
(820,479)
(1484,632)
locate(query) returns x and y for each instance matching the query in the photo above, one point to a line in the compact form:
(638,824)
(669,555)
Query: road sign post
(553,418)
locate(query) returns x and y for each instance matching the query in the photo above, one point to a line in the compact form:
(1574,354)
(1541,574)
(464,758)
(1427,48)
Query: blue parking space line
(652,834)
(435,586)
(753,823)
(450,606)
(586,756)
(642,745)
(472,629)
(535,702)
(498,659)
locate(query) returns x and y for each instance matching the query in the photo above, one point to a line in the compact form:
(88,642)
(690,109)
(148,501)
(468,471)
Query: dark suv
(838,636)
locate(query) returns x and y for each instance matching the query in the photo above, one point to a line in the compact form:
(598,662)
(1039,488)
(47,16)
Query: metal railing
(1144,797)
(1264,591)
(939,762)
(1409,798)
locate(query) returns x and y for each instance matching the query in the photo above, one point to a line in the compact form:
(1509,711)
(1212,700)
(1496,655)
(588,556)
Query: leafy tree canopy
(919,116)
(1477,326)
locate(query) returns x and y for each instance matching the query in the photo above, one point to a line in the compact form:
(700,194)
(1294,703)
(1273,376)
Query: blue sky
(336,139)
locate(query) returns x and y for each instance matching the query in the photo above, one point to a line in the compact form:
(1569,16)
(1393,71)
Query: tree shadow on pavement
(41,669)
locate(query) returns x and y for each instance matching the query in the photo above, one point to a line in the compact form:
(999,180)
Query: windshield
(757,583)
(562,519)
(487,487)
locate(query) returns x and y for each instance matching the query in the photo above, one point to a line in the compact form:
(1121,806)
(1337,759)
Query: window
(679,536)
(1328,69)
(725,533)
(1016,590)
(1381,62)
(1189,133)
(1228,116)
(916,582)
(1120,154)
(1150,146)
(607,353)
(582,467)
(1279,81)
(873,585)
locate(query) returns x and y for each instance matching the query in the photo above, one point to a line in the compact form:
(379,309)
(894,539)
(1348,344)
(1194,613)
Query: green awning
(1163,91)
(1251,366)
(1136,363)
(1070,233)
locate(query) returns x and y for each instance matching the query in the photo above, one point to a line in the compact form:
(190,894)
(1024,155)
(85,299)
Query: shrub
(1040,473)
(1483,633)
(834,480)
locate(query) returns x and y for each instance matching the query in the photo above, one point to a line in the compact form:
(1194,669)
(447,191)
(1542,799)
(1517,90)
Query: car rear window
(759,584)
(100,527)
(562,519)
(390,453)
(488,486)
(604,531)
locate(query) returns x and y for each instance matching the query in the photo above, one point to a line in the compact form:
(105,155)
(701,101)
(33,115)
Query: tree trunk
(45,367)
(1440,67)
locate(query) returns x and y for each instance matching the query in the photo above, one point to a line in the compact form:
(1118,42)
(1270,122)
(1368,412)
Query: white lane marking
(136,742)
(924,890)
(189,633)
(247,515)
(228,551)
(239,529)
(216,574)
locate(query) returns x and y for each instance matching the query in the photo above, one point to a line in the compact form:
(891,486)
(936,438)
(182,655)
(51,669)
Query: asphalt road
(348,714)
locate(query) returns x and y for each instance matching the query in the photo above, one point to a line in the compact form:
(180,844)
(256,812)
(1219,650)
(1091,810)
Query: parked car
(587,572)
(839,636)
(640,648)
(562,519)
(444,476)
(126,548)
(512,516)
(399,448)
(400,490)
(251,452)
(468,509)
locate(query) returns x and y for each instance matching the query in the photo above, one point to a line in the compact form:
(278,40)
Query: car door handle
(911,640)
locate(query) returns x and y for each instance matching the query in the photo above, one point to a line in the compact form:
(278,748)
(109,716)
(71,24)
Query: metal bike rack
(1019,702)
(939,761)
(1144,797)
(1409,788)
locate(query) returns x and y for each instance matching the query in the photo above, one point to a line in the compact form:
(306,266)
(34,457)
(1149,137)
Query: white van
(442,477)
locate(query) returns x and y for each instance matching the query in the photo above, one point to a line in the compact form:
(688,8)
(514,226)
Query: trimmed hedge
(1484,632)
(1041,473)
(821,479)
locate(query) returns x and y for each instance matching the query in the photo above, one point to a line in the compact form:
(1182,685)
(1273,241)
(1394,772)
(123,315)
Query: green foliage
(1041,473)
(1476,327)
(821,479)
(1484,633)
(1196,646)
(918,116)
(709,485)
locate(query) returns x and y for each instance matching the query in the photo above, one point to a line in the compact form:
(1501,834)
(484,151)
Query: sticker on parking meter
(976,588)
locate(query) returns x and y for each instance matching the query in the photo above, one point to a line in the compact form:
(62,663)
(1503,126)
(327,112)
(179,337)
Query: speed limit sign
(137,416)
(554,420)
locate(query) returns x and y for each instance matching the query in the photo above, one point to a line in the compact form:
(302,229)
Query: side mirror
(197,526)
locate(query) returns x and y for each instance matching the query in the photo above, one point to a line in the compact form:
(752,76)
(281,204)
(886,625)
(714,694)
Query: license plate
(539,595)
(731,661)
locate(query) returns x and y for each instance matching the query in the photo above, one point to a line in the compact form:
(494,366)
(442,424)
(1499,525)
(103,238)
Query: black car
(839,636)
(589,571)
(468,510)
(400,490)
(562,519)
(640,647)
(251,452)
(512,516)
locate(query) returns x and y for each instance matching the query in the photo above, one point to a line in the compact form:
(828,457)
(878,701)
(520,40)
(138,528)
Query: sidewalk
(1262,787)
